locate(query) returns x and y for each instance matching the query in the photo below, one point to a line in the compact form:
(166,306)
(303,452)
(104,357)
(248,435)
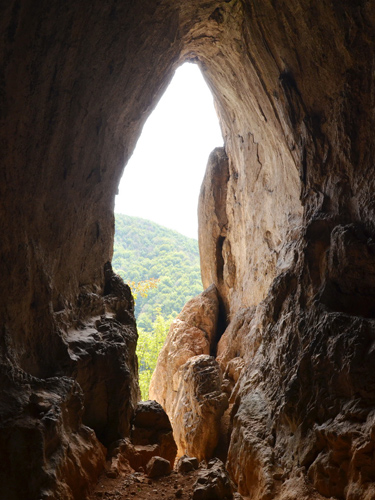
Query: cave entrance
(156,247)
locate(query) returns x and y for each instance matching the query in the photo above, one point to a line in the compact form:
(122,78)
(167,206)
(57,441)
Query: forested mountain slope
(145,250)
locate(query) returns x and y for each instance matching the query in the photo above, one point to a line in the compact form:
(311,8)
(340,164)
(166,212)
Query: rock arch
(293,85)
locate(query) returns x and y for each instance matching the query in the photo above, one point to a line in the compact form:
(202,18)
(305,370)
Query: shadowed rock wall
(292,256)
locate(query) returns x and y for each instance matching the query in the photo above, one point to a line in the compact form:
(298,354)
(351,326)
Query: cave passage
(286,232)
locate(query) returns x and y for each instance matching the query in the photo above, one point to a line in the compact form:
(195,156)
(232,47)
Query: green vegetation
(148,347)
(145,250)
(162,267)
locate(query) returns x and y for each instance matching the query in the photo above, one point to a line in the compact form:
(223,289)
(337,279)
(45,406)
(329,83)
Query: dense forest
(162,267)
(144,250)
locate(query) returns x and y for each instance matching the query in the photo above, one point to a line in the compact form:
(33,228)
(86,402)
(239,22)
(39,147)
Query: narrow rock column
(217,263)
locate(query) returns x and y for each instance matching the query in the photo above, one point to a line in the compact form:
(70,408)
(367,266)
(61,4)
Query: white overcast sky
(162,179)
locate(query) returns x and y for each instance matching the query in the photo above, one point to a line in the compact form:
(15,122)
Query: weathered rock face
(213,483)
(198,408)
(151,435)
(291,250)
(45,451)
(192,333)
(304,404)
(101,347)
(217,264)
(48,424)
(306,422)
(187,380)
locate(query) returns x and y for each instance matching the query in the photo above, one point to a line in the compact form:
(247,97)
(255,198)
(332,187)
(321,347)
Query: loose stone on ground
(174,485)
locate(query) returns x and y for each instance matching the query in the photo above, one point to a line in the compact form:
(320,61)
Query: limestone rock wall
(45,451)
(216,259)
(71,111)
(294,88)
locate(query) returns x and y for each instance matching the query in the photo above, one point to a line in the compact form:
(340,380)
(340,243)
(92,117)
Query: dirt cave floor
(138,485)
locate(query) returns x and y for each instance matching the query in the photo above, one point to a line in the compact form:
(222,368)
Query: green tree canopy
(162,268)
(143,251)
(148,348)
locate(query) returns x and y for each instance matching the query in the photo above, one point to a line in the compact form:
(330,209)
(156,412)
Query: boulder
(151,435)
(158,467)
(149,415)
(213,483)
(179,384)
(199,406)
(191,333)
(152,432)
(187,464)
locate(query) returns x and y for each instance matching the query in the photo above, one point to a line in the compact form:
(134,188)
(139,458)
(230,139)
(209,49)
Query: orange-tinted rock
(293,84)
(198,407)
(187,381)
(191,333)
(217,265)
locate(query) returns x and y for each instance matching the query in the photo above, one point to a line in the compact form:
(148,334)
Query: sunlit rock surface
(294,88)
(192,333)
(198,407)
(187,380)
(217,265)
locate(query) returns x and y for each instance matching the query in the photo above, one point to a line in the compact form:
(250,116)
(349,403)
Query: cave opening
(155,245)
(294,88)
(162,179)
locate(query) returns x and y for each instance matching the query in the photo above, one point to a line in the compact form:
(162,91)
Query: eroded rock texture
(187,380)
(292,250)
(216,258)
(151,428)
(199,406)
(45,451)
(192,333)
(151,435)
(101,346)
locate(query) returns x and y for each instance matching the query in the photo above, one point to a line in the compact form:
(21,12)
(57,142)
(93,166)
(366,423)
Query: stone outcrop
(291,250)
(198,407)
(192,333)
(151,435)
(213,483)
(101,347)
(187,380)
(41,420)
(151,428)
(217,265)
(303,410)
(53,419)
